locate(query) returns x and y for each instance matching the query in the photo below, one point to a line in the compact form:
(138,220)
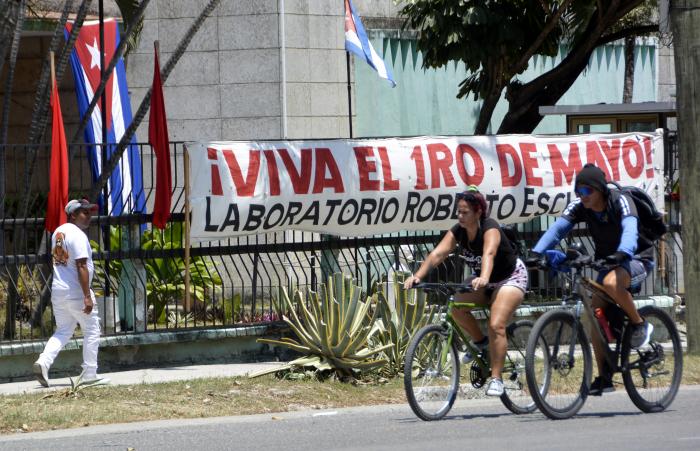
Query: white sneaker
(468,357)
(41,373)
(495,387)
(92,379)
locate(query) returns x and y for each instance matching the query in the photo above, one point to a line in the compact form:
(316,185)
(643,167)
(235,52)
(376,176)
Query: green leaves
(399,322)
(165,281)
(337,330)
(333,326)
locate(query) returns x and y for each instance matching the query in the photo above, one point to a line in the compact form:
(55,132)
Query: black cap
(592,176)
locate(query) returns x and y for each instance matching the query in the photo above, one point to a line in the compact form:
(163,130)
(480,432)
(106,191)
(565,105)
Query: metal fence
(139,277)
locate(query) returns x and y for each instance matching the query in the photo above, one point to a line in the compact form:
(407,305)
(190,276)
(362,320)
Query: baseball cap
(75,204)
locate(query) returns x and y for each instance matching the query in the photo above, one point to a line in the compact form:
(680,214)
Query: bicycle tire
(652,375)
(558,384)
(516,396)
(431,372)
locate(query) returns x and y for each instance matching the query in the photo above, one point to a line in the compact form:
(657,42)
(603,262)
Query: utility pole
(685,22)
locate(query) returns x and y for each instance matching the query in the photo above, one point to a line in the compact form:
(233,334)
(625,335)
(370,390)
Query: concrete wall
(240,78)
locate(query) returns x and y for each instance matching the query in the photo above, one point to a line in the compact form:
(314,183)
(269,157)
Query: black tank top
(472,251)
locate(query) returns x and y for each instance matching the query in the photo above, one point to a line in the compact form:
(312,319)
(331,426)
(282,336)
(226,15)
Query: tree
(685,22)
(496,39)
(642,15)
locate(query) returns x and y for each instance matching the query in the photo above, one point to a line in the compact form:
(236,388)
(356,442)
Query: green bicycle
(432,367)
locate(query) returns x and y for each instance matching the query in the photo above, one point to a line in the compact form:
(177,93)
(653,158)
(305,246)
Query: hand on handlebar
(617,258)
(479,282)
(534,260)
(410,282)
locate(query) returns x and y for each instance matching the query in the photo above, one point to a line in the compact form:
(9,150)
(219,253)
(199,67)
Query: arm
(553,235)
(492,239)
(437,256)
(84,279)
(628,240)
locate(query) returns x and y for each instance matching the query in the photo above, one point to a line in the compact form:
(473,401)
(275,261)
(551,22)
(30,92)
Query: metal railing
(139,275)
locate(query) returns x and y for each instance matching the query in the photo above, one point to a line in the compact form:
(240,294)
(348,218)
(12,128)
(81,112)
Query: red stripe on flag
(58,173)
(158,139)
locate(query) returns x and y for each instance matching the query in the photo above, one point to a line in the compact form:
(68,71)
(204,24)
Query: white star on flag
(94,53)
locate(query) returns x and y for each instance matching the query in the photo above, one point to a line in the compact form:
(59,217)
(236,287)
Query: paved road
(610,422)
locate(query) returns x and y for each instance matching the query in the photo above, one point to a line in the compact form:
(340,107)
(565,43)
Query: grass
(186,399)
(202,398)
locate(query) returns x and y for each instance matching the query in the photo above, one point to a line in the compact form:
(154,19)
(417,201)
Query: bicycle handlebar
(448,288)
(574,259)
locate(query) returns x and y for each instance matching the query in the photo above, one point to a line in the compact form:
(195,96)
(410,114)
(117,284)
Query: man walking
(73,300)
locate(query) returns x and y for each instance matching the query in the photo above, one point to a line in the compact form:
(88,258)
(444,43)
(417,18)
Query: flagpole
(347,65)
(187,229)
(103,108)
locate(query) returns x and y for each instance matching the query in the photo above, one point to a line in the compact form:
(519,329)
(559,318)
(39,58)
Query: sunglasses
(583,191)
(468,195)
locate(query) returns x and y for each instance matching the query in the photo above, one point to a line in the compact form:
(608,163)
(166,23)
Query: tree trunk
(685,22)
(628,89)
(524,100)
(486,112)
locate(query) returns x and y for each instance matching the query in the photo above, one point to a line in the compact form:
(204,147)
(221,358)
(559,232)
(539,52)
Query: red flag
(58,174)
(158,139)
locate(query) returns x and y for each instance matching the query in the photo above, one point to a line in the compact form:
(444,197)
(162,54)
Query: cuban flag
(356,42)
(126,182)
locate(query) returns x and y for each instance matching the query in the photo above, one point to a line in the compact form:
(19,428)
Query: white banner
(362,187)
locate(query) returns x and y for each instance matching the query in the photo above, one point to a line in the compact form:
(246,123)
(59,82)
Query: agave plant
(334,329)
(399,322)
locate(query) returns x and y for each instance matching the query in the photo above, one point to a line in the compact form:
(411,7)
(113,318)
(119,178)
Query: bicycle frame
(581,297)
(484,366)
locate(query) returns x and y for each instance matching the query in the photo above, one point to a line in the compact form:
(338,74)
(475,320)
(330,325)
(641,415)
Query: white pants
(68,314)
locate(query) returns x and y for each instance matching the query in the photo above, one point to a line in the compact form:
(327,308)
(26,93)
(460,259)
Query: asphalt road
(610,422)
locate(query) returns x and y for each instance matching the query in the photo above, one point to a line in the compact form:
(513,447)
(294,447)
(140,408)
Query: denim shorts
(637,269)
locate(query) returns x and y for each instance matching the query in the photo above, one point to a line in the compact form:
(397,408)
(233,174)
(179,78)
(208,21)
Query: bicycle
(559,355)
(432,366)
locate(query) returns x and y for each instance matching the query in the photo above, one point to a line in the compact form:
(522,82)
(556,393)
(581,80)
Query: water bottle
(600,315)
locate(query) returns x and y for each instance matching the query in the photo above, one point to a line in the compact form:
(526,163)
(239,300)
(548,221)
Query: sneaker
(92,379)
(601,385)
(641,334)
(495,387)
(481,346)
(41,373)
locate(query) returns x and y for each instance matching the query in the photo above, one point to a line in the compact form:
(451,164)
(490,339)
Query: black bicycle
(432,367)
(559,354)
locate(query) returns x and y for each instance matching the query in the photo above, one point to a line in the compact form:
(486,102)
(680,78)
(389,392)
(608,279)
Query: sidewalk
(146,376)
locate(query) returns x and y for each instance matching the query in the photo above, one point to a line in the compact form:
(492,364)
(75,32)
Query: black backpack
(651,223)
(511,232)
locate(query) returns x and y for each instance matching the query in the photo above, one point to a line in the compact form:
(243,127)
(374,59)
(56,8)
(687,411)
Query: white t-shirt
(69,243)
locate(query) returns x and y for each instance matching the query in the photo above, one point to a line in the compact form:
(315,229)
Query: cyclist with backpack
(493,260)
(612,220)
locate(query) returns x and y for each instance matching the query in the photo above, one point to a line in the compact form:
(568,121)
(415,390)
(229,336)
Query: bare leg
(506,301)
(616,283)
(464,318)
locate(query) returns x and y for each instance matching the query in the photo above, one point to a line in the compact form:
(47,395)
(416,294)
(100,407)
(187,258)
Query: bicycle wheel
(516,396)
(652,374)
(431,373)
(558,364)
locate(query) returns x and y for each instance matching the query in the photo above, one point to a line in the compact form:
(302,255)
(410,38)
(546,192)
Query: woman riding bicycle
(493,260)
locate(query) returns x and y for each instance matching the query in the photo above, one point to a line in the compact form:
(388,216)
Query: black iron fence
(139,277)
